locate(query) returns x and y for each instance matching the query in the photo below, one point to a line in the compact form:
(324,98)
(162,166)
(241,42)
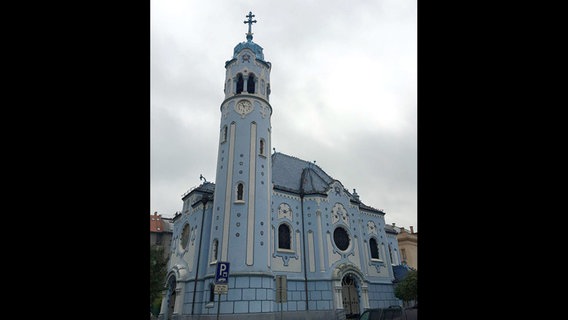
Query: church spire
(250,22)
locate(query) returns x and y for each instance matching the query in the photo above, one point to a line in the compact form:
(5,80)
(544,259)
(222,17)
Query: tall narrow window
(240,83)
(214,249)
(211,292)
(185,236)
(261,147)
(224,134)
(374,248)
(240,190)
(250,83)
(390,253)
(284,237)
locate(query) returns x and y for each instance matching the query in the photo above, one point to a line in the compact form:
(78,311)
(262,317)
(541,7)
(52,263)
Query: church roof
(287,174)
(296,175)
(400,272)
(390,229)
(249,45)
(206,186)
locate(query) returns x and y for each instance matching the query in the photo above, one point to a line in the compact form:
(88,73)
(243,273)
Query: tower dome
(249,44)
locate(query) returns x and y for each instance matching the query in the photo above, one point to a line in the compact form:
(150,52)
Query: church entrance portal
(350,297)
(171,299)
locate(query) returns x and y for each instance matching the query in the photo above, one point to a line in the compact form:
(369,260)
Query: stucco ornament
(371,227)
(338,213)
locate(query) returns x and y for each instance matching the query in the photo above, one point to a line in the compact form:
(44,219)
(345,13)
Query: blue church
(299,245)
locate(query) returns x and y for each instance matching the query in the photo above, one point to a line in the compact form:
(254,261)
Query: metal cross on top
(250,22)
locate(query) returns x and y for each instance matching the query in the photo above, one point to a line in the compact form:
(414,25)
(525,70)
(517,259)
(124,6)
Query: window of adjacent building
(240,191)
(390,254)
(374,248)
(185,236)
(250,83)
(240,83)
(403,252)
(284,237)
(261,147)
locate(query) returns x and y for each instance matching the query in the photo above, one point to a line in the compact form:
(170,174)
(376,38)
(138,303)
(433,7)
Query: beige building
(408,245)
(161,230)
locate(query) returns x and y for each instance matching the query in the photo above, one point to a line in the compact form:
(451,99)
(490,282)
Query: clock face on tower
(243,107)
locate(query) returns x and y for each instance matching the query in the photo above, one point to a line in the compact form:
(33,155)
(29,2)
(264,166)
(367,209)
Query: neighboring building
(161,229)
(272,215)
(408,245)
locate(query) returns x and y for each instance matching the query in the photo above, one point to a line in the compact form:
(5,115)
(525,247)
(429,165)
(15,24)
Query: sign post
(281,291)
(221,282)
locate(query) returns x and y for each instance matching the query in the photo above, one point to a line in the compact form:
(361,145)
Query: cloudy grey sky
(343,92)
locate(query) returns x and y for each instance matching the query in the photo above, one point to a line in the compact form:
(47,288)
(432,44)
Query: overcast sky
(343,92)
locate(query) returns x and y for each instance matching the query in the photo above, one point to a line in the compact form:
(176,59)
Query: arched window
(250,83)
(214,250)
(184,241)
(284,237)
(261,147)
(374,249)
(240,191)
(240,83)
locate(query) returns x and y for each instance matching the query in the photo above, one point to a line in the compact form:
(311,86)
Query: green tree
(158,268)
(407,289)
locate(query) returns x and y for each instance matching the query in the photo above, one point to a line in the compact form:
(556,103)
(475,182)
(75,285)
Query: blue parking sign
(222,273)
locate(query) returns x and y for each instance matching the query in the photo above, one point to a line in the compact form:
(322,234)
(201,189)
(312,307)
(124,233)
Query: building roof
(400,272)
(287,174)
(300,176)
(390,229)
(159,224)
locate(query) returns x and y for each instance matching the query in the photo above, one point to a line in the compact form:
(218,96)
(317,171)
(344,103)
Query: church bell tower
(241,216)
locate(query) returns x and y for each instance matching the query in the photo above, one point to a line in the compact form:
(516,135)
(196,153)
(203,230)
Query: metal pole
(218,305)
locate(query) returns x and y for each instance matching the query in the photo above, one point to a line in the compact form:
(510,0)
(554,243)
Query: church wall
(315,257)
(382,295)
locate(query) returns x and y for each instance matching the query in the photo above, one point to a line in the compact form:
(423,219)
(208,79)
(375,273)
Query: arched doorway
(350,296)
(171,298)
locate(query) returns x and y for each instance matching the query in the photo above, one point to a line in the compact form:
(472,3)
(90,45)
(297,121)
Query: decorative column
(337,293)
(365,296)
(245,84)
(178,307)
(164,305)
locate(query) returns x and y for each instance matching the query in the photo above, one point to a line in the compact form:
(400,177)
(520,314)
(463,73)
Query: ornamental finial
(250,22)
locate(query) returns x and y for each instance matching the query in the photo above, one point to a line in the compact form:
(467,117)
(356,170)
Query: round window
(341,238)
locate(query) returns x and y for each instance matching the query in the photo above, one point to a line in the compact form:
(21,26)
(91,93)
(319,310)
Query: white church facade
(270,215)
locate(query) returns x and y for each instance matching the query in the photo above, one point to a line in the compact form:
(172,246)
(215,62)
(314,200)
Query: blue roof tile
(287,174)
